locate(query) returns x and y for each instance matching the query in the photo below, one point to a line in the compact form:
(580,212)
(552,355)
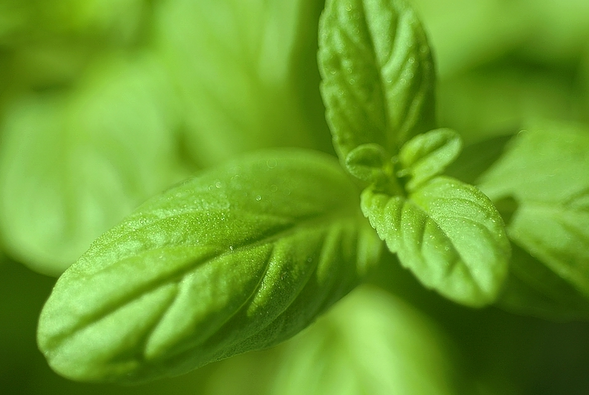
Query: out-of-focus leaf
(110,21)
(467,33)
(561,29)
(534,289)
(370,343)
(247,72)
(501,97)
(476,158)
(71,166)
(545,171)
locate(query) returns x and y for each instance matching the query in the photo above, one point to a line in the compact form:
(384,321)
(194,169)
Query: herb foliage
(110,110)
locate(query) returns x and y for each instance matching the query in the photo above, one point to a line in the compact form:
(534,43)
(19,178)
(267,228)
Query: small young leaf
(449,234)
(367,162)
(237,259)
(370,343)
(545,171)
(427,155)
(378,74)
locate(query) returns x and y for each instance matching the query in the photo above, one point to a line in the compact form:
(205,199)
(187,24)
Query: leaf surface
(236,259)
(370,343)
(544,170)
(448,234)
(377,74)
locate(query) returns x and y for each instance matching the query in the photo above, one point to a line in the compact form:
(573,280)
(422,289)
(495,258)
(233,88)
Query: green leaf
(427,155)
(73,165)
(236,259)
(370,343)
(448,234)
(369,163)
(545,171)
(557,234)
(378,74)
(534,289)
(246,70)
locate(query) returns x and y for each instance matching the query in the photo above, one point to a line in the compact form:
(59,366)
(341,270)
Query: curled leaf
(236,259)
(369,163)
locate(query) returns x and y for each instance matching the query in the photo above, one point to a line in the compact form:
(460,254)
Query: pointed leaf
(378,74)
(449,234)
(237,259)
(427,155)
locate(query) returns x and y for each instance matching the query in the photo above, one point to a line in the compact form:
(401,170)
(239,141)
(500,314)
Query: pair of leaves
(544,171)
(378,80)
(236,259)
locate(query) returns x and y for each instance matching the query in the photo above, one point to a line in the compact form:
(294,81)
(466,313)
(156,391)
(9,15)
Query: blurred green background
(105,103)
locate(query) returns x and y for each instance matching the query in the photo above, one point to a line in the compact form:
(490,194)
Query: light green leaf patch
(448,234)
(247,74)
(370,343)
(545,171)
(378,74)
(73,165)
(236,259)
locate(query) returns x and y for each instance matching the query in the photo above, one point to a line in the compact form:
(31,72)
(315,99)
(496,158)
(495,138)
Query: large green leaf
(73,165)
(236,259)
(378,74)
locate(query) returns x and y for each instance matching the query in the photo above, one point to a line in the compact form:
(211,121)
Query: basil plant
(189,200)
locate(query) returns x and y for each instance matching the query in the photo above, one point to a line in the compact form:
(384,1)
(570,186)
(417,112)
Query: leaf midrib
(313,222)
